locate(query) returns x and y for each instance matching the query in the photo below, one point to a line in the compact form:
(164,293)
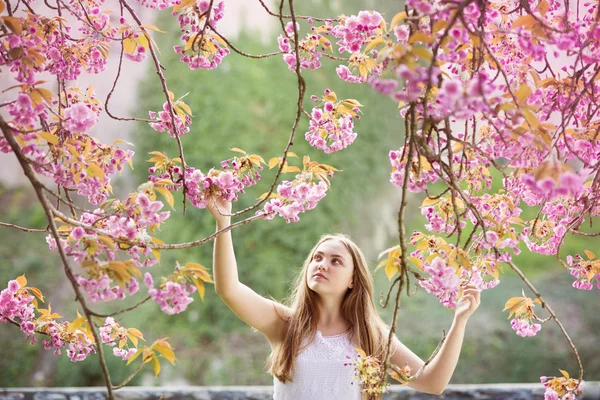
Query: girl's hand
(468,303)
(220,209)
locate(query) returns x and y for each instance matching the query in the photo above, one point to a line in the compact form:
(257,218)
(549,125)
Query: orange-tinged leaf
(135,332)
(238,150)
(22,281)
(565,373)
(429,202)
(2,6)
(185,107)
(526,21)
(273,162)
(167,195)
(361,352)
(420,37)
(152,27)
(290,168)
(13,24)
(589,254)
(37,292)
(512,302)
(107,241)
(374,43)
(523,92)
(200,286)
(401,16)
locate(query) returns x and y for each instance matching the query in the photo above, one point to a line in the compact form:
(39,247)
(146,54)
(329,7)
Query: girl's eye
(338,261)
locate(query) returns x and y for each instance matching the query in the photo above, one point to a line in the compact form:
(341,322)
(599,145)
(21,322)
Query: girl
(330,314)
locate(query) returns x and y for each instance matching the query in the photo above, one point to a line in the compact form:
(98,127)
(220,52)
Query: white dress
(320,373)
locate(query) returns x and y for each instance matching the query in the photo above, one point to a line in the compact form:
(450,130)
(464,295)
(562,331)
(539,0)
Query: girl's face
(331,269)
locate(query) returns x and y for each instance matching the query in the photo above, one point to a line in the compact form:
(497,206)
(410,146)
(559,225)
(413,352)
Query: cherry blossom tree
(499,90)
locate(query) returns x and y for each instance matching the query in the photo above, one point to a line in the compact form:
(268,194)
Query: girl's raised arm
(260,313)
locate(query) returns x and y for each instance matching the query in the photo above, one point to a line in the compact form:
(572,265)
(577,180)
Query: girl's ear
(351,285)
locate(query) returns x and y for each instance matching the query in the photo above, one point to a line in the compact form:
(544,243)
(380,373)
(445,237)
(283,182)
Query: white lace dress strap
(323,371)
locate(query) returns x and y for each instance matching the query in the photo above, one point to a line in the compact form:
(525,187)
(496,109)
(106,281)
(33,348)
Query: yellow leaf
(48,137)
(386,251)
(565,373)
(429,202)
(167,195)
(238,150)
(531,119)
(525,21)
(13,24)
(46,94)
(22,281)
(185,108)
(289,168)
(2,6)
(164,348)
(152,27)
(401,16)
(133,339)
(107,241)
(390,270)
(420,37)
(330,97)
(589,254)
(417,262)
(439,25)
(94,170)
(512,302)
(143,41)
(129,45)
(155,365)
(523,92)
(156,252)
(200,286)
(37,292)
(256,159)
(374,43)
(291,154)
(423,53)
(134,356)
(273,162)
(272,195)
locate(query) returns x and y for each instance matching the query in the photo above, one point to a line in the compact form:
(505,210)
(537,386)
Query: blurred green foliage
(250,104)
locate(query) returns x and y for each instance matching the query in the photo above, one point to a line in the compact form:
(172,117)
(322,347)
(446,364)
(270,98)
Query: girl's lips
(319,276)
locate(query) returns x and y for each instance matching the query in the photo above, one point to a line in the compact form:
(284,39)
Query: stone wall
(527,391)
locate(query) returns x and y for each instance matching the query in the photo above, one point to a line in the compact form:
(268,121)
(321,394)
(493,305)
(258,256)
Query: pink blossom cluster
(567,184)
(99,289)
(90,175)
(544,237)
(16,302)
(209,52)
(79,118)
(330,129)
(172,297)
(239,173)
(571,390)
(444,283)
(294,198)
(309,49)
(524,327)
(30,40)
(356,30)
(585,272)
(416,183)
(346,74)
(24,113)
(80,346)
(112,333)
(163,121)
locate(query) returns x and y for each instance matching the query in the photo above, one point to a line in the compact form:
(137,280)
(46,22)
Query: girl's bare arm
(257,311)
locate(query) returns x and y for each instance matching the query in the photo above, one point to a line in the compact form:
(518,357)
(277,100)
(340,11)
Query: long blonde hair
(366,327)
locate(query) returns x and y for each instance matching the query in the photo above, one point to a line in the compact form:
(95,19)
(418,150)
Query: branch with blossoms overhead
(483,92)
